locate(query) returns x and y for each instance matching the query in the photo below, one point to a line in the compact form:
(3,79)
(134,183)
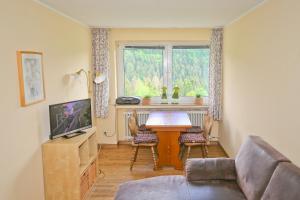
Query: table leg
(168,149)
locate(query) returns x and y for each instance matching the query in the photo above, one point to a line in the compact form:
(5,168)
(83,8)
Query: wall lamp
(98,79)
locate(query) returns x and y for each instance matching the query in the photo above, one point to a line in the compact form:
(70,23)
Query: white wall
(261,78)
(26,25)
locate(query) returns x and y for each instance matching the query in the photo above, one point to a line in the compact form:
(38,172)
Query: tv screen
(70,117)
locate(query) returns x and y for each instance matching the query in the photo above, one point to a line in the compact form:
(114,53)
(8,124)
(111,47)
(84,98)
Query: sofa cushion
(215,190)
(284,184)
(161,187)
(197,169)
(255,164)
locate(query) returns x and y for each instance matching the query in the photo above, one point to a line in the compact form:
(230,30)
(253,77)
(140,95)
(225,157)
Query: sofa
(258,172)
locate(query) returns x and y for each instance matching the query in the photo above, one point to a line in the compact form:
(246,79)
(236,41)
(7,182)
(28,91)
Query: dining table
(168,125)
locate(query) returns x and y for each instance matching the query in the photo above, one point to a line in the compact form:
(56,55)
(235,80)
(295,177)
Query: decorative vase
(175,96)
(164,97)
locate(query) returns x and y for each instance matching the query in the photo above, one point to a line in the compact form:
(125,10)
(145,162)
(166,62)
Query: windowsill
(180,105)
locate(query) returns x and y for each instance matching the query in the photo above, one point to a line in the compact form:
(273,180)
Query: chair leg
(154,157)
(156,152)
(136,153)
(188,152)
(206,150)
(135,150)
(181,151)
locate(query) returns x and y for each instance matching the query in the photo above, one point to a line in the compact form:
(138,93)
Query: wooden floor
(114,162)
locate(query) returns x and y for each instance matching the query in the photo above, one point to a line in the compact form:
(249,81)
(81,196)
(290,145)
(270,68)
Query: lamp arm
(87,78)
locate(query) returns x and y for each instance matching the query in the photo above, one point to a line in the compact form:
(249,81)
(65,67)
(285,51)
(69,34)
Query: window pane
(190,70)
(143,69)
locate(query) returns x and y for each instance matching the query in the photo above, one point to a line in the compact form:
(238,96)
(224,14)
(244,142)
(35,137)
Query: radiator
(196,118)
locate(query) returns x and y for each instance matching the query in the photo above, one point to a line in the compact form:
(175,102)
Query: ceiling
(153,13)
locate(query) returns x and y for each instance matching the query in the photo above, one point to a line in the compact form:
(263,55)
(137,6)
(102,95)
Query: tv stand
(74,134)
(70,166)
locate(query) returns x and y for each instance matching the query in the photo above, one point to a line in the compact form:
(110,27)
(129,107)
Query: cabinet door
(92,174)
(84,185)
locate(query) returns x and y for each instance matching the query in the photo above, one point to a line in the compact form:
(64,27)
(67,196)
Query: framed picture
(31,77)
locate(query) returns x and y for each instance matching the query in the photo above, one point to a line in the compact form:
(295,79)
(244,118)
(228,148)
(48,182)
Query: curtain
(215,74)
(100,59)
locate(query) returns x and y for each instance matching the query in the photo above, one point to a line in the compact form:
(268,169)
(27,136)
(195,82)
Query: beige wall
(261,78)
(26,25)
(144,35)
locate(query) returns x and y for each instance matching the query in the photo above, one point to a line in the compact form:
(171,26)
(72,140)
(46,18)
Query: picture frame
(31,77)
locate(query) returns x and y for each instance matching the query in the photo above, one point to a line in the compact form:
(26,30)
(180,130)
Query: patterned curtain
(215,74)
(100,60)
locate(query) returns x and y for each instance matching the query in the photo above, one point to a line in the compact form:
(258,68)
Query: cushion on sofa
(198,169)
(215,190)
(161,187)
(255,164)
(284,184)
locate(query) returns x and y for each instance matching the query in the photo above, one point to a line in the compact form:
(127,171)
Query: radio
(128,100)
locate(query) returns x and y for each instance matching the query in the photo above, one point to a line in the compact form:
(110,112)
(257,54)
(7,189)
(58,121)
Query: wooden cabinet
(70,166)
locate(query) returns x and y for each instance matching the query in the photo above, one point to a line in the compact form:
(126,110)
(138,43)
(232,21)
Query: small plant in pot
(199,100)
(146,100)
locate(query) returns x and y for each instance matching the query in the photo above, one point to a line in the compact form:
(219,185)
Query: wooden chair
(142,139)
(201,138)
(141,127)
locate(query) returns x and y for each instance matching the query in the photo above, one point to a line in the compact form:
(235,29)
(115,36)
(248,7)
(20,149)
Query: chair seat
(145,138)
(192,138)
(194,129)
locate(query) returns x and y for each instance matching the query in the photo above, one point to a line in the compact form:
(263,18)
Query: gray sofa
(258,172)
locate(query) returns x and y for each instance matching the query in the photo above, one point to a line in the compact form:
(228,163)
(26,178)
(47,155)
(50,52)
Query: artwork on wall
(31,77)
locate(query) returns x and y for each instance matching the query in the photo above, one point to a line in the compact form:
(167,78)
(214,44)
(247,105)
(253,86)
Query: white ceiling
(153,13)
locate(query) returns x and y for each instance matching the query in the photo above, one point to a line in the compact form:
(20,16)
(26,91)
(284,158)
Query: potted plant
(164,97)
(146,100)
(175,96)
(199,100)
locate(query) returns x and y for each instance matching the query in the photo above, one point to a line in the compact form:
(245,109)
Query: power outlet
(108,134)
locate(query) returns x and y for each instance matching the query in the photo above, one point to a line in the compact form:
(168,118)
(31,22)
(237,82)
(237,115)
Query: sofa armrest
(198,169)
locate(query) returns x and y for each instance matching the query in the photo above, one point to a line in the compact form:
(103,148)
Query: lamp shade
(99,78)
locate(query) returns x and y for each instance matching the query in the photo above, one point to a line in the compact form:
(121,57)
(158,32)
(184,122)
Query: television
(70,119)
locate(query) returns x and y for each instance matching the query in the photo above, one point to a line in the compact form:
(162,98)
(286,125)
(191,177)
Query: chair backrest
(134,114)
(255,164)
(132,126)
(208,123)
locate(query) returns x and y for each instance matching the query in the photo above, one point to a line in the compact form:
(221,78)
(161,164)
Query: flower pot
(146,102)
(199,101)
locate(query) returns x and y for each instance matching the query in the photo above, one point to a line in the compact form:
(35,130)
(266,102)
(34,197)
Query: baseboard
(124,142)
(223,149)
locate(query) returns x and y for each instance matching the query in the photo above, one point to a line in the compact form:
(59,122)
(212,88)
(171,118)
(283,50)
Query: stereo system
(128,100)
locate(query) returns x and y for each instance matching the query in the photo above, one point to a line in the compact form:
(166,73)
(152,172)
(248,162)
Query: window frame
(167,66)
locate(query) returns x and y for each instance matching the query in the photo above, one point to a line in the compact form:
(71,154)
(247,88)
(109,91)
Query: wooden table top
(168,119)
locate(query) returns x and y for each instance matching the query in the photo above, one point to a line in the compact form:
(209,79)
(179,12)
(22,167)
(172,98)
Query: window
(145,69)
(190,69)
